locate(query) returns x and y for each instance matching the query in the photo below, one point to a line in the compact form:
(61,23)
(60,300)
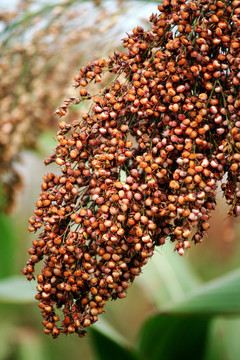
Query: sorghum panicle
(143,164)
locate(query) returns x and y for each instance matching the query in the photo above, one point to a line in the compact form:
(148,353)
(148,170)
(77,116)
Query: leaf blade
(218,297)
(17,289)
(170,337)
(170,273)
(109,344)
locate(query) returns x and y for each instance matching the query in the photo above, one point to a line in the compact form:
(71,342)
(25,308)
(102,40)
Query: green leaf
(181,329)
(17,289)
(29,346)
(224,339)
(109,344)
(165,337)
(7,238)
(218,297)
(6,346)
(167,276)
(46,142)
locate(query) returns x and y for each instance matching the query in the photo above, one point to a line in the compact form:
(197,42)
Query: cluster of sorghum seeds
(144,163)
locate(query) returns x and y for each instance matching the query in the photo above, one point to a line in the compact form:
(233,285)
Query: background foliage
(185,308)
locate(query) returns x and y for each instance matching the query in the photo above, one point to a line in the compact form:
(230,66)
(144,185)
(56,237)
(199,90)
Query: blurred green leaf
(17,289)
(7,238)
(224,339)
(29,346)
(181,329)
(173,337)
(46,142)
(6,346)
(218,297)
(167,276)
(109,344)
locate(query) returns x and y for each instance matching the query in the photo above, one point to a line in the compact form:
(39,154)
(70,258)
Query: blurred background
(180,307)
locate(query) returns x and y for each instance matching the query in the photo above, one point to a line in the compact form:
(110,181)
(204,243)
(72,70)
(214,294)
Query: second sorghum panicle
(143,164)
